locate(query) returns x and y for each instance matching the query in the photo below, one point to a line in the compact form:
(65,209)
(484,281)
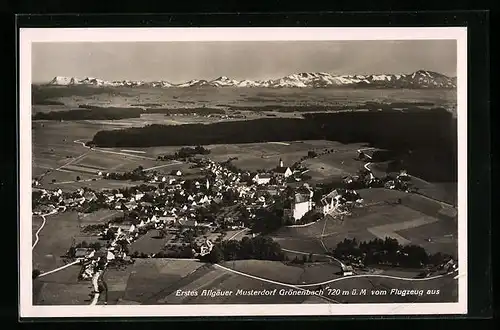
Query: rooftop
(281,169)
(301,198)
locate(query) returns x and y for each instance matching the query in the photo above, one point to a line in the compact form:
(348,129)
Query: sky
(178,62)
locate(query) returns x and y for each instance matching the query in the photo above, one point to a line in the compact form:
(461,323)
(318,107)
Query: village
(197,211)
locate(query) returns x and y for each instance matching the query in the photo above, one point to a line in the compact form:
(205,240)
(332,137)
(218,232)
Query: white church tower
(281,163)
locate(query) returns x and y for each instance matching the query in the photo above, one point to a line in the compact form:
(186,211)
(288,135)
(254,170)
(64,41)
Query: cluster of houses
(279,173)
(179,201)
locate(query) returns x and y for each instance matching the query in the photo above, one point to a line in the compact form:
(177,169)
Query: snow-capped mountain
(193,83)
(418,79)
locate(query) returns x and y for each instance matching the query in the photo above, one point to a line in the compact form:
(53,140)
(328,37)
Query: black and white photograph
(200,172)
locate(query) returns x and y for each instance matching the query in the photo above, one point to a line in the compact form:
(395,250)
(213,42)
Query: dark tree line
(138,174)
(321,108)
(430,134)
(386,252)
(187,111)
(185,152)
(260,248)
(111,113)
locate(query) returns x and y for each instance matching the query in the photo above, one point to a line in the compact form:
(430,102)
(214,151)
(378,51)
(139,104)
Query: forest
(429,135)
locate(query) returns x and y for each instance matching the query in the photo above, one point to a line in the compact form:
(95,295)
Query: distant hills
(418,79)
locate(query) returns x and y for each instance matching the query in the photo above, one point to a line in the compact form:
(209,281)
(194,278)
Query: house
(190,223)
(262,178)
(177,173)
(403,176)
(131,206)
(110,255)
(301,204)
(84,253)
(390,184)
(90,196)
(138,196)
(347,270)
(168,219)
(366,154)
(329,202)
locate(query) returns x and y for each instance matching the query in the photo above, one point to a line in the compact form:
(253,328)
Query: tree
(311,154)
(216,255)
(101,287)
(78,178)
(310,258)
(36,273)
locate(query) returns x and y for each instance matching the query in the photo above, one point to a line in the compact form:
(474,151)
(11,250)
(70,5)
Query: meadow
(55,239)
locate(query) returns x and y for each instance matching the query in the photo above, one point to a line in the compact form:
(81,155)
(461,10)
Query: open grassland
(54,146)
(255,156)
(99,217)
(288,274)
(149,279)
(67,275)
(149,243)
(439,236)
(55,239)
(301,244)
(63,294)
(253,276)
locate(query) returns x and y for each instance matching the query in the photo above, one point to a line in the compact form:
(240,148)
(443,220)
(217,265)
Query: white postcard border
(30,35)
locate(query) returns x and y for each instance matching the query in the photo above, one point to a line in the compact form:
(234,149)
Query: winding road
(367,165)
(334,280)
(236,234)
(37,238)
(60,268)
(112,152)
(95,281)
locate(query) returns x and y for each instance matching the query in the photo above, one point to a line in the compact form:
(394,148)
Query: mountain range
(417,79)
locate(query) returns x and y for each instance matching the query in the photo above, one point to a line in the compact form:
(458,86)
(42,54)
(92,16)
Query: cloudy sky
(181,61)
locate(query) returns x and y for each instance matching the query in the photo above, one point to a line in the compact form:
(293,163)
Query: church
(282,171)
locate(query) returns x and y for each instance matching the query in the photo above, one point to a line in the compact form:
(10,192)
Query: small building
(168,219)
(366,154)
(176,172)
(190,223)
(262,178)
(301,204)
(329,202)
(84,253)
(347,270)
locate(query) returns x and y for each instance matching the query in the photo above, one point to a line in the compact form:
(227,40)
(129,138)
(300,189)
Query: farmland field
(55,293)
(99,216)
(149,243)
(55,239)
